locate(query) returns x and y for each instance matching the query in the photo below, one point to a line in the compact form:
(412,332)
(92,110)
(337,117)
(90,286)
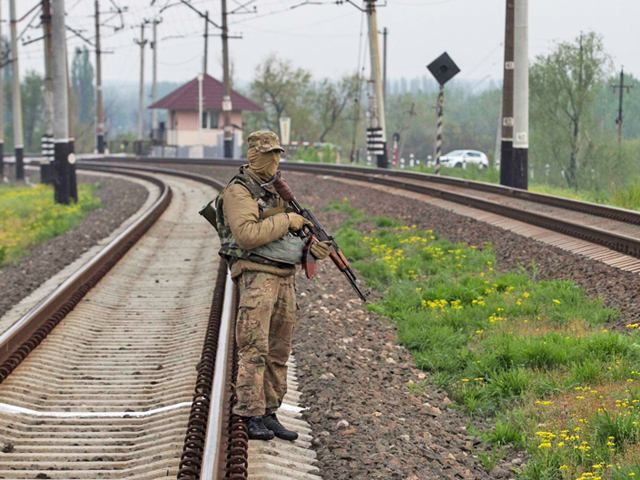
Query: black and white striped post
(439,123)
(443,69)
(376,146)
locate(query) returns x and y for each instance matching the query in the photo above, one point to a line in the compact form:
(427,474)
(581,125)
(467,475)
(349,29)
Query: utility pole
(3,60)
(385,32)
(142,42)
(63,147)
(521,96)
(18,139)
(206,42)
(154,76)
(226,101)
(99,104)
(506,145)
(47,138)
(622,88)
(376,133)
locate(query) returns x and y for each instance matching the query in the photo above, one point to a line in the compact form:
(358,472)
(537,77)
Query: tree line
(572,114)
(573,140)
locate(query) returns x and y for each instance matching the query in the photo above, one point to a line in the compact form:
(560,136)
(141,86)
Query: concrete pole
(226,102)
(18,137)
(506,144)
(2,59)
(154,78)
(141,42)
(200,78)
(385,33)
(377,127)
(521,96)
(62,144)
(206,43)
(47,138)
(99,105)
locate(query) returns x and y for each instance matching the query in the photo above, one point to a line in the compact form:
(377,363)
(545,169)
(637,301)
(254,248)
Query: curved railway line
(133,382)
(590,225)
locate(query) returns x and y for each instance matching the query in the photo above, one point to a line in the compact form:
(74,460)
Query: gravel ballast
(368,421)
(120,199)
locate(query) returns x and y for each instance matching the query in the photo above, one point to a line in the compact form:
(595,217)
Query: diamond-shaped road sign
(443,68)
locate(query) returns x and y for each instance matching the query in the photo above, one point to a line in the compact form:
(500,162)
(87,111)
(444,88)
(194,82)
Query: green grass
(528,353)
(624,197)
(28,216)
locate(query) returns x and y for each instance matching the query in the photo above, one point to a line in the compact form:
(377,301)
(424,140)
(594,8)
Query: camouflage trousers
(264,328)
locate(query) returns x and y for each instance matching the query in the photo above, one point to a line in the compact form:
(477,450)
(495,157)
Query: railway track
(122,388)
(124,371)
(580,225)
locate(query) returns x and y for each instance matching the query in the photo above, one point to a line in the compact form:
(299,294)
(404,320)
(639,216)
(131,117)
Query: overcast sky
(326,38)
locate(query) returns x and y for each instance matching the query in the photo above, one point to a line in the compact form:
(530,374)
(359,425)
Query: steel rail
(215,444)
(605,211)
(205,448)
(615,241)
(27,333)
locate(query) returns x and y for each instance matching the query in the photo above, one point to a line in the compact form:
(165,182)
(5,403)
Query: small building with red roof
(202,137)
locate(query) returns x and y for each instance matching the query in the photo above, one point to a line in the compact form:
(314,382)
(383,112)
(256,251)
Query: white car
(462,158)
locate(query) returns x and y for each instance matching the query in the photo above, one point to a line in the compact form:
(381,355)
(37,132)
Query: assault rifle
(315,231)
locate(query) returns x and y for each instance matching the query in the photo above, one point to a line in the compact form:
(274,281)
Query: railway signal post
(443,69)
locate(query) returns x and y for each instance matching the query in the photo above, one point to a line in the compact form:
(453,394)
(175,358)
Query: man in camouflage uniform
(262,254)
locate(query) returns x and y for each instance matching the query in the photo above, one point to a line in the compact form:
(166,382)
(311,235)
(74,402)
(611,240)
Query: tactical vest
(284,252)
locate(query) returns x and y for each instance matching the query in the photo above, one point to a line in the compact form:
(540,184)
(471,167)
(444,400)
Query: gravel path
(120,200)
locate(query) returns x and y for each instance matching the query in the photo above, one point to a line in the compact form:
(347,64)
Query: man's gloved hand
(320,250)
(296,222)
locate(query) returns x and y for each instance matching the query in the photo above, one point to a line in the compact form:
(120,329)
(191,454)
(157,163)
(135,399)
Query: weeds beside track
(535,356)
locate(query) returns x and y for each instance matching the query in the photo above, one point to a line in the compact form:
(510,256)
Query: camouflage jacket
(255,226)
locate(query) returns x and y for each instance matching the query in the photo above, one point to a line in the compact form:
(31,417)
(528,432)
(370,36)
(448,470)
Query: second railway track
(614,228)
(107,394)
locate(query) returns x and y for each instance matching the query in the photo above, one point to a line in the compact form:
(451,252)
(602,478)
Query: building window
(204,120)
(213,119)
